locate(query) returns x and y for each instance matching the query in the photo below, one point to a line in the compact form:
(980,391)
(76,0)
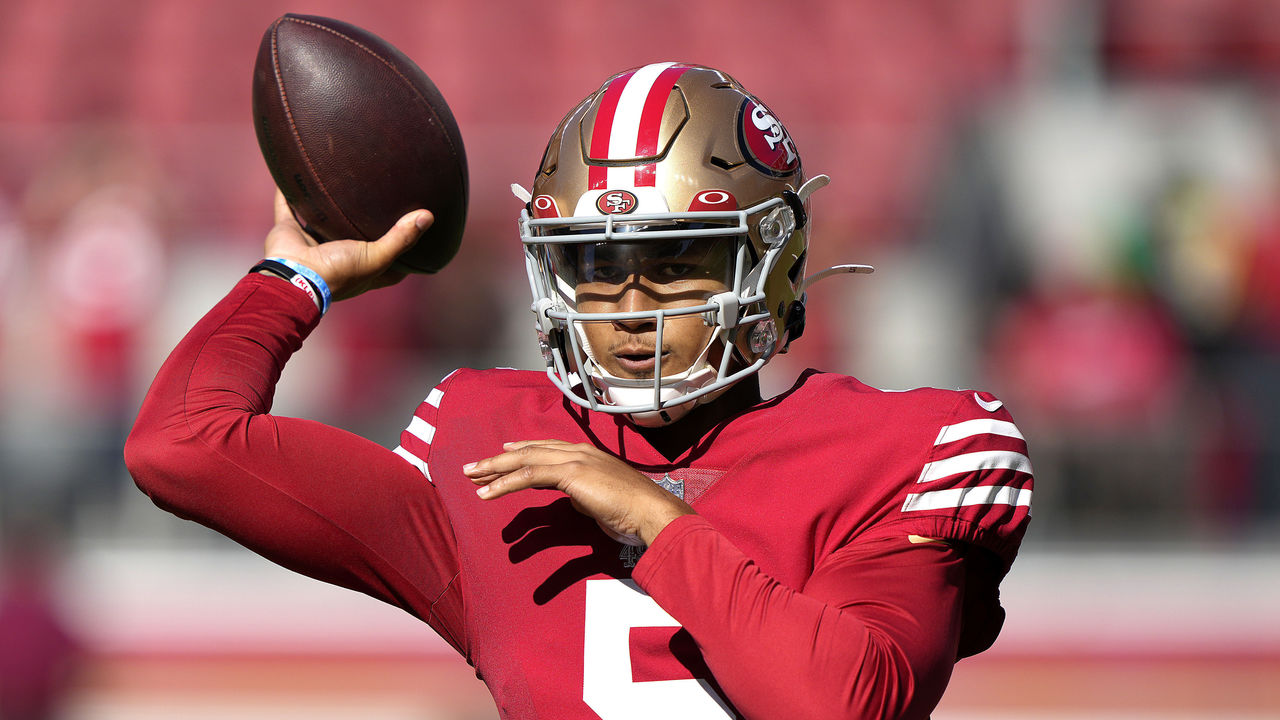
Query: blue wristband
(326,297)
(288,271)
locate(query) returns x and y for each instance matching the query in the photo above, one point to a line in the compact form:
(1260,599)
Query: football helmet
(668,169)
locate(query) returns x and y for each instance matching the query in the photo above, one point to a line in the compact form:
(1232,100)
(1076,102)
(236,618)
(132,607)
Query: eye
(669,271)
(605,273)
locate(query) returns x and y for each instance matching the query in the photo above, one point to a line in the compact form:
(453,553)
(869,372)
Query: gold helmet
(669,153)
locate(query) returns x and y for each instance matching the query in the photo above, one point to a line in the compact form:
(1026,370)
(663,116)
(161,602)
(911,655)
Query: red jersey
(794,591)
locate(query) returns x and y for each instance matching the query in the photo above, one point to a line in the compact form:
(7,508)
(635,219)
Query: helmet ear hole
(797,268)
(793,323)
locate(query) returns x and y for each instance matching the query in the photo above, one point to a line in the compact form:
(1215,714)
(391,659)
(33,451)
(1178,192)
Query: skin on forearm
(660,518)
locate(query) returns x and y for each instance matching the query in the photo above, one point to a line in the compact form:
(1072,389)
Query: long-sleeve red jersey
(794,592)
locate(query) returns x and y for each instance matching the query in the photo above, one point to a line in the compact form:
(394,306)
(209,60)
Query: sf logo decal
(765,144)
(616,202)
(774,134)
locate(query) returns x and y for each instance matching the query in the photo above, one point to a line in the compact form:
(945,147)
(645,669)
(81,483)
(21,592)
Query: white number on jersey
(613,608)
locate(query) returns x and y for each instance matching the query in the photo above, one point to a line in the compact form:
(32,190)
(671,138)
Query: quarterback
(635,532)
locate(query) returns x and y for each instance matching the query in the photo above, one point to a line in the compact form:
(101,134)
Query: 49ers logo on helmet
(764,142)
(616,202)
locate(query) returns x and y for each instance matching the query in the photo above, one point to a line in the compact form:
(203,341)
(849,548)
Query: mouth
(637,362)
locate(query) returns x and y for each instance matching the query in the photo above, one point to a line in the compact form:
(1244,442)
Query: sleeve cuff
(285,297)
(668,541)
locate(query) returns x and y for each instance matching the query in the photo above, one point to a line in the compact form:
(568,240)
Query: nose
(635,298)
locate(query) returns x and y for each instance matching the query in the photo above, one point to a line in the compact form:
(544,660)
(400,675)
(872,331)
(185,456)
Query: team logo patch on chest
(675,487)
(630,554)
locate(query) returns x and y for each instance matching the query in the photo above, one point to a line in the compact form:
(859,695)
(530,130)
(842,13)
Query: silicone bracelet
(300,276)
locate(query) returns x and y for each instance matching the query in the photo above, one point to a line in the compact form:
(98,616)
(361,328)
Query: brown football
(356,135)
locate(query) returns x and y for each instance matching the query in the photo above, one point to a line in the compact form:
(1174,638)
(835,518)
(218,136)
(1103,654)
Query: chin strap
(667,415)
(638,392)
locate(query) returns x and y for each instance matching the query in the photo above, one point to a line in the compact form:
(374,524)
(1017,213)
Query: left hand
(626,504)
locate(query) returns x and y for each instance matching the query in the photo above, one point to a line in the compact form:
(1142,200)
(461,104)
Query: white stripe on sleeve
(959,497)
(974,462)
(421,429)
(983,426)
(415,461)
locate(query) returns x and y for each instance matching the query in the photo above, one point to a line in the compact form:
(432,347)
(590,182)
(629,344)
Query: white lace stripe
(982,426)
(974,462)
(414,460)
(952,498)
(422,430)
(433,398)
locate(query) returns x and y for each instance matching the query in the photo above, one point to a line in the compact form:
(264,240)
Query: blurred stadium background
(1072,203)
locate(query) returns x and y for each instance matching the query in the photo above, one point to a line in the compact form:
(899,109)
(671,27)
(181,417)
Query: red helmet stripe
(598,174)
(655,104)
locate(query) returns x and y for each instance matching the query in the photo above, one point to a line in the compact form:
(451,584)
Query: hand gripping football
(356,135)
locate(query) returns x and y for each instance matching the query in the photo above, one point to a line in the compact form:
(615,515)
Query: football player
(635,532)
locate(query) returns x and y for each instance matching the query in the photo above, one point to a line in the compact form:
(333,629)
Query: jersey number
(613,608)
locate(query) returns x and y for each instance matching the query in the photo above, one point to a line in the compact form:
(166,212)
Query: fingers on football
(399,238)
(286,238)
(282,211)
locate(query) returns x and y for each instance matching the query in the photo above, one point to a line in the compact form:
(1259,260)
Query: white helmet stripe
(650,133)
(626,122)
(626,119)
(635,118)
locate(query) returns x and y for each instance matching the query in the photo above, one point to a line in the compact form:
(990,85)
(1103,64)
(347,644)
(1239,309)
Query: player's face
(647,276)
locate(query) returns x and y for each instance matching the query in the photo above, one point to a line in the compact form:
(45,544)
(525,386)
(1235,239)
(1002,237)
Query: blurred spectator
(38,651)
(97,220)
(12,248)
(1094,362)
(1261,311)
(105,275)
(1207,248)
(1100,376)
